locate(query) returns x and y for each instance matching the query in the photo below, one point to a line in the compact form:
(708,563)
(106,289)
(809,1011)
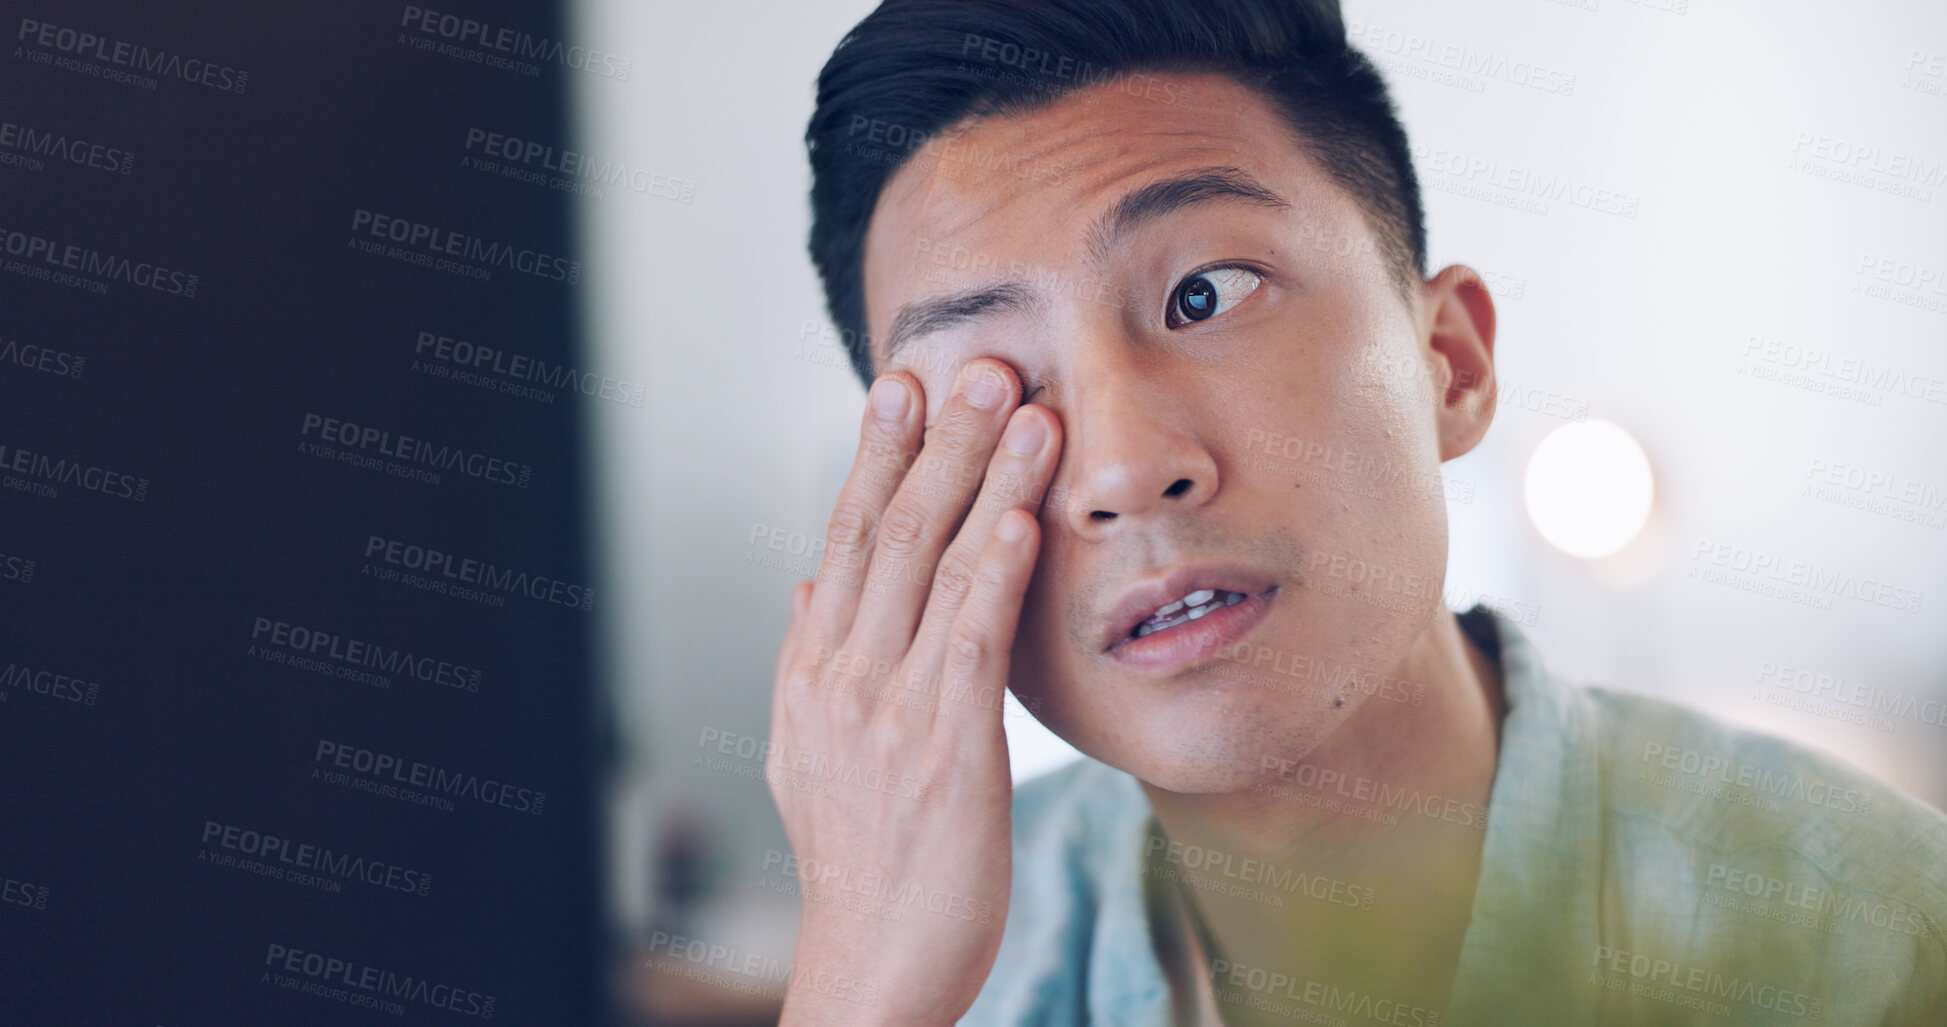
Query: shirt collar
(1536,903)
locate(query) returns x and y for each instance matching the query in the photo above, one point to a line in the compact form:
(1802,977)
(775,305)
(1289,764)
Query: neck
(1371,839)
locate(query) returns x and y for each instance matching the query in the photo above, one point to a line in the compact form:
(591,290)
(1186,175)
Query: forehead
(1022,191)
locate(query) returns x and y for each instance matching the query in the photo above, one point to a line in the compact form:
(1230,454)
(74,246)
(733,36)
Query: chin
(1213,742)
(1198,778)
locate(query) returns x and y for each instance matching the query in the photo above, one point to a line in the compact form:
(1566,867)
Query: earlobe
(1460,336)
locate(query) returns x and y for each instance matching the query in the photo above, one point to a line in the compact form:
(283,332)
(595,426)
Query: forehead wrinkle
(1082,126)
(1108,187)
(1036,138)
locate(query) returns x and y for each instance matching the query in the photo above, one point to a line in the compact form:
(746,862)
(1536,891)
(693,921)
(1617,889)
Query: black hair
(914,68)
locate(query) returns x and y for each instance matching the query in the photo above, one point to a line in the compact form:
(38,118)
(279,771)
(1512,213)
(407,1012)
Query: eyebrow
(1153,201)
(1160,199)
(938,313)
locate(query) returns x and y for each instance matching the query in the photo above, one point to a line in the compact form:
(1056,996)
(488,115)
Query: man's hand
(888,761)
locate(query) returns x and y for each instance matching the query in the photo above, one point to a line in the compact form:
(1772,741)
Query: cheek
(1047,669)
(1041,642)
(1344,460)
(1399,476)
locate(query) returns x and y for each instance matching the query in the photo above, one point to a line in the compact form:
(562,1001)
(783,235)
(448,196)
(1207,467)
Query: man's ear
(1458,331)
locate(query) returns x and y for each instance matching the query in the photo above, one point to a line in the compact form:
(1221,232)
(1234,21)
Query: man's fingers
(887,439)
(786,652)
(1017,479)
(974,672)
(800,601)
(922,516)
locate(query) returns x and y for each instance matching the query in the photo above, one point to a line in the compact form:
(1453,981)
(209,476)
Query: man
(1187,235)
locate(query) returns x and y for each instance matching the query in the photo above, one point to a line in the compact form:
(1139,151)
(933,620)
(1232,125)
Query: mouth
(1188,614)
(1190,607)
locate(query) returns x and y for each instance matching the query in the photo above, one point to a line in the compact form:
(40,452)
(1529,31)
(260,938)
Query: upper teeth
(1190,607)
(1197,598)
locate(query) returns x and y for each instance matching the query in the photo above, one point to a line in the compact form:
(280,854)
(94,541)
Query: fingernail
(1025,434)
(1011,528)
(982,387)
(889,399)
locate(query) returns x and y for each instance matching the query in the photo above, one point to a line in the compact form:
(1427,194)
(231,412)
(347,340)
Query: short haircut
(915,68)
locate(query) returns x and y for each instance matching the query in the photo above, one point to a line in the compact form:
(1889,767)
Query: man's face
(1272,426)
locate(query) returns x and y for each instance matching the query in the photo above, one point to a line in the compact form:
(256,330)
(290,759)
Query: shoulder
(1663,768)
(1728,788)
(1787,857)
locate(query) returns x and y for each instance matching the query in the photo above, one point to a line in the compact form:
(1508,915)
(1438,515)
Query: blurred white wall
(1744,180)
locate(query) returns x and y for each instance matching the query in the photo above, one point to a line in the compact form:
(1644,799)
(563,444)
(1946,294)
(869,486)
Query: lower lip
(1194,641)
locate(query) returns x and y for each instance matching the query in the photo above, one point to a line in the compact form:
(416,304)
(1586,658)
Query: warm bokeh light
(1589,488)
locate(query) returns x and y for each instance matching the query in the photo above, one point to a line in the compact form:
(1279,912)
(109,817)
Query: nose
(1132,452)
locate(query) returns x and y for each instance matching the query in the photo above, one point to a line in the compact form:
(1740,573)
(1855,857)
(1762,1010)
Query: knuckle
(994,576)
(956,437)
(800,680)
(849,530)
(966,649)
(877,451)
(847,718)
(886,732)
(902,530)
(955,577)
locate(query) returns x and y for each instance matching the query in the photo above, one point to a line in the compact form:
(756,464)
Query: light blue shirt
(1643,863)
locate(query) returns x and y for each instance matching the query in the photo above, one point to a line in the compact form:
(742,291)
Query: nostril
(1177,488)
